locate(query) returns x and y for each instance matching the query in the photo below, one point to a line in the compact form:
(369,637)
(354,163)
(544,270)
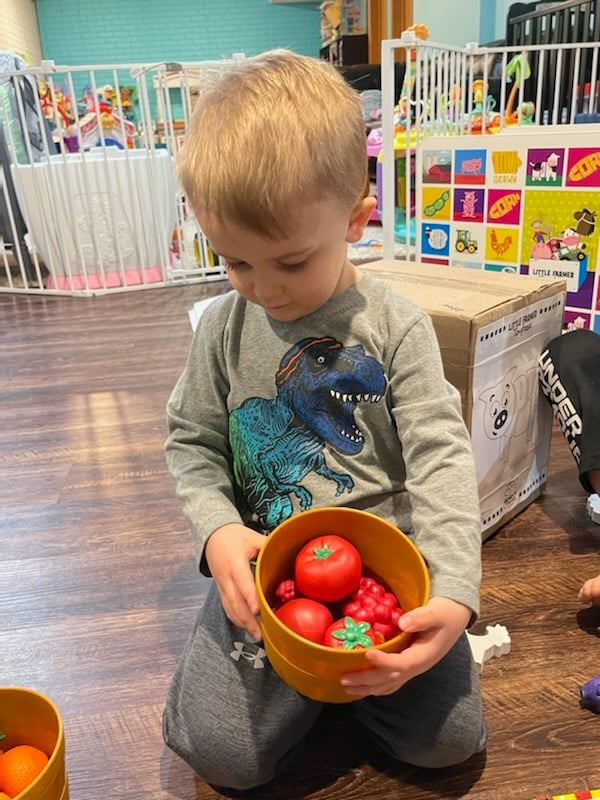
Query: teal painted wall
(487,22)
(462,21)
(454,23)
(125,31)
(501,10)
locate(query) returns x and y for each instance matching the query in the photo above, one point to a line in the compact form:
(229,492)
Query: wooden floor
(98,588)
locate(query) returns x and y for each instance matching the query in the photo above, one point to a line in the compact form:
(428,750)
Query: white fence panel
(89,200)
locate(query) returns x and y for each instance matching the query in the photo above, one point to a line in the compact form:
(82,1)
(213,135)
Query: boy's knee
(214,756)
(446,752)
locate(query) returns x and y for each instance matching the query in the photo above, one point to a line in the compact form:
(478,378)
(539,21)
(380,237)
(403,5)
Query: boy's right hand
(228,551)
(590,591)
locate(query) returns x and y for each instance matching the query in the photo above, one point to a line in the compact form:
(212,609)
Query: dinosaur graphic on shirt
(276,442)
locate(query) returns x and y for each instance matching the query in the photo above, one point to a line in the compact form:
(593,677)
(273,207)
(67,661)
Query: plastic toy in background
(402,231)
(527,111)
(331,22)
(371,105)
(45,100)
(495,642)
(403,112)
(593,508)
(189,248)
(480,117)
(590,694)
(586,794)
(374,145)
(483,114)
(128,98)
(590,111)
(117,129)
(519,70)
(449,106)
(59,113)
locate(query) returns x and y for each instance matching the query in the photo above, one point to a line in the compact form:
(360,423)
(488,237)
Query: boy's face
(292,276)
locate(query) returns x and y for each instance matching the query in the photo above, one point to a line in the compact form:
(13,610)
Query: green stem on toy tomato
(322,552)
(353,634)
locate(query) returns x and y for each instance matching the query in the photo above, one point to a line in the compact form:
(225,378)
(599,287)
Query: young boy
(310,385)
(569,373)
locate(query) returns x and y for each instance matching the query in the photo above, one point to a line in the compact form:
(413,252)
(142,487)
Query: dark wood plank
(98,586)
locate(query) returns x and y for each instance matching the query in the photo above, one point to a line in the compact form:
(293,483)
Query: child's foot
(593,507)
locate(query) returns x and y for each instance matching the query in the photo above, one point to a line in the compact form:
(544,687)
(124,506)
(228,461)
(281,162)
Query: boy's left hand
(437,626)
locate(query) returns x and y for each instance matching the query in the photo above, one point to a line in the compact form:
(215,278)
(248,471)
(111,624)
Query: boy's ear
(359,217)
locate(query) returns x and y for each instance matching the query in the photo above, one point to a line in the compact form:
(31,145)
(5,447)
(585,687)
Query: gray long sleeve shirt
(345,406)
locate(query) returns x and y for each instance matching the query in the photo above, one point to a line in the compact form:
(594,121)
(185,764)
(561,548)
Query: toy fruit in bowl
(19,767)
(388,557)
(32,765)
(328,568)
(306,617)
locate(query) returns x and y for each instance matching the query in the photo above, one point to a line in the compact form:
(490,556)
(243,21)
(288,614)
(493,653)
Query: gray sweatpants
(237,724)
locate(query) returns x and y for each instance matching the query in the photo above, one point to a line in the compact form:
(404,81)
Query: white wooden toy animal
(593,507)
(493,643)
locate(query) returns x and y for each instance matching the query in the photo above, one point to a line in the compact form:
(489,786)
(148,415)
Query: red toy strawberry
(286,591)
(373,604)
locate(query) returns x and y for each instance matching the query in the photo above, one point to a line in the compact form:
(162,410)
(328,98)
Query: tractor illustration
(464,241)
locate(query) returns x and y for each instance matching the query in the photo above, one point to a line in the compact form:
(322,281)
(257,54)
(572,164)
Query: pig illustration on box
(508,416)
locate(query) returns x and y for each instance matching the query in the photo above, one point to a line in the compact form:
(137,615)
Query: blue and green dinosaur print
(276,442)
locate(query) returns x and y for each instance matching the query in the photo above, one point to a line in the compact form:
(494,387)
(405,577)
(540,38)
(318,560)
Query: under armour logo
(240,651)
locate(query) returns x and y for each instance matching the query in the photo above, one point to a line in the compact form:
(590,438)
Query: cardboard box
(492,327)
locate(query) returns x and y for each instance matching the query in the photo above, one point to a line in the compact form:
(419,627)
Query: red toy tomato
(347,634)
(306,617)
(328,568)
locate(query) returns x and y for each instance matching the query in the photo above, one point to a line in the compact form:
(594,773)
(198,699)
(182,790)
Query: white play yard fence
(89,201)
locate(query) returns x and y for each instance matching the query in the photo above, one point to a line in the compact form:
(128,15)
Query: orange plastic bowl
(28,717)
(388,555)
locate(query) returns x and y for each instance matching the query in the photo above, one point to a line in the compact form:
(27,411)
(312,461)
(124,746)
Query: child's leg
(569,372)
(594,479)
(436,719)
(227,713)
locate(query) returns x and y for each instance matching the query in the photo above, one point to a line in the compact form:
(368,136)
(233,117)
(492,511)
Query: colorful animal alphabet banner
(518,201)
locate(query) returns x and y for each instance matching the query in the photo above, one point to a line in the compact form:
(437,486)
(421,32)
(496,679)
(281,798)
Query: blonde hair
(277,129)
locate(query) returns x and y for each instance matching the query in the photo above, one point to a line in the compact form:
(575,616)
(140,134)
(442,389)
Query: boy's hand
(437,627)
(590,591)
(229,551)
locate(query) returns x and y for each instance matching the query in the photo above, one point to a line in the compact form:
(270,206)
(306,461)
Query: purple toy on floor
(590,694)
